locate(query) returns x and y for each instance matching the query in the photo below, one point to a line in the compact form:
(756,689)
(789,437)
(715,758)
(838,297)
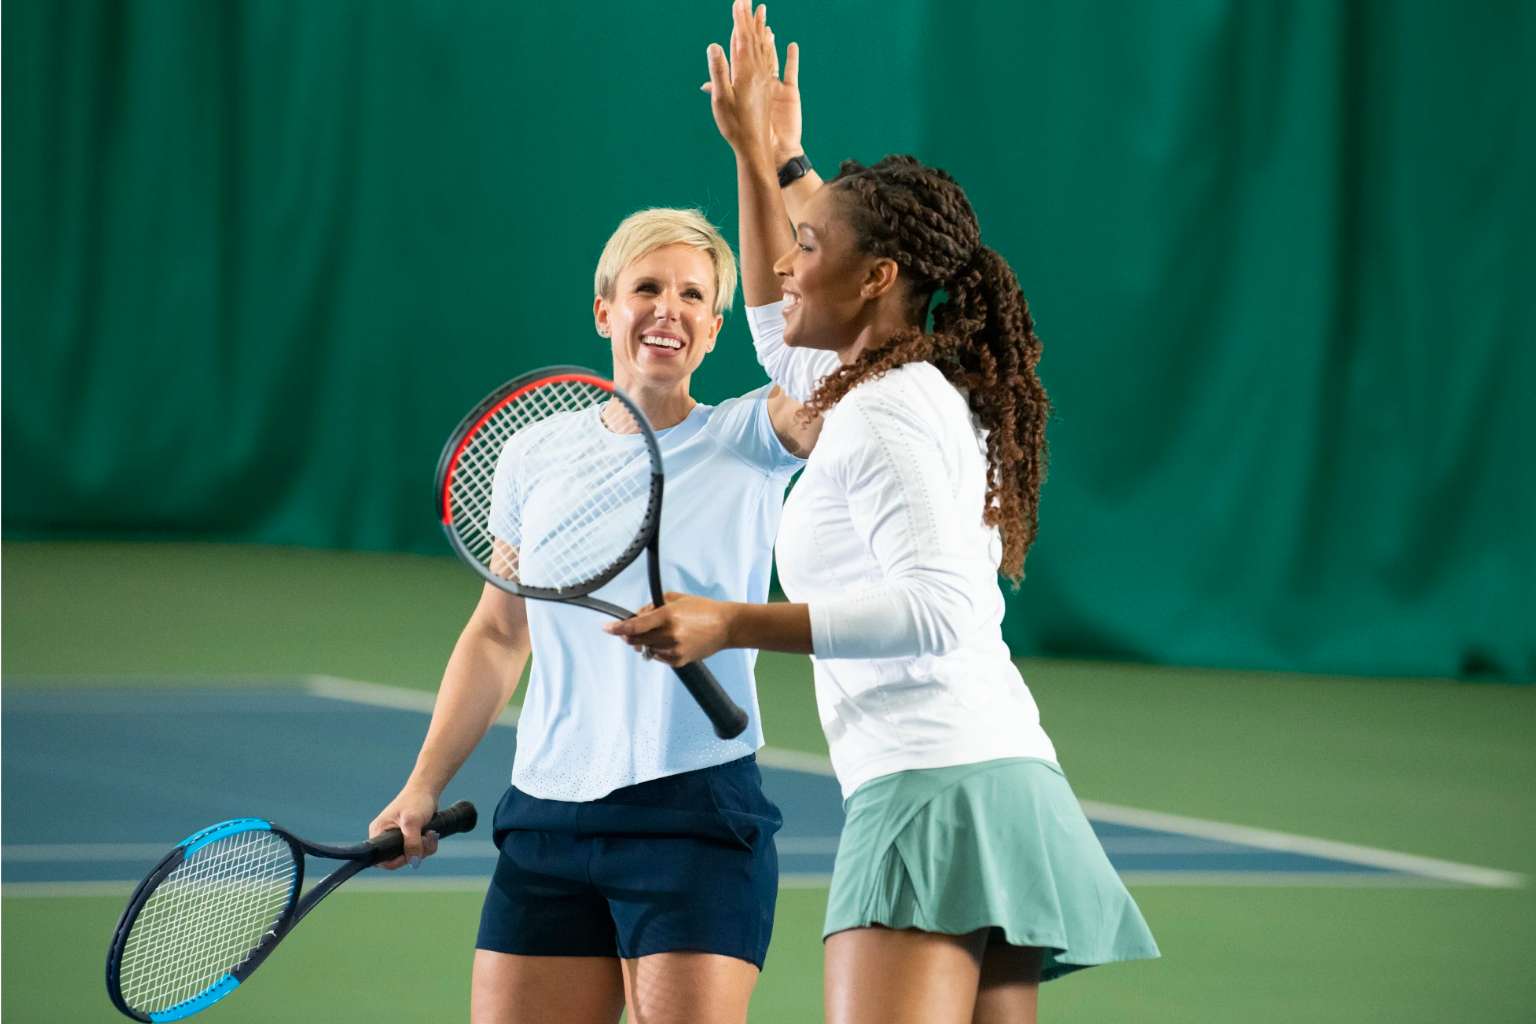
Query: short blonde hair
(645,230)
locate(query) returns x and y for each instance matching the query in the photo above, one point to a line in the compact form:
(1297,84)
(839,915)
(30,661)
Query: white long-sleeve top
(883,539)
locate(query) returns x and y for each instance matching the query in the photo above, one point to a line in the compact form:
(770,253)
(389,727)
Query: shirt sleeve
(796,370)
(900,499)
(743,426)
(506,518)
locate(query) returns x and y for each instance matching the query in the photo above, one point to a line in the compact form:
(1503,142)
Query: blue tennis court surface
(98,784)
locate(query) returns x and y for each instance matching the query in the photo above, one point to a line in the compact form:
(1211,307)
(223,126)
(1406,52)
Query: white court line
(792,845)
(398,698)
(1239,879)
(795,761)
(37,853)
(475,884)
(1285,842)
(59,890)
(81,853)
(379,696)
(1281,842)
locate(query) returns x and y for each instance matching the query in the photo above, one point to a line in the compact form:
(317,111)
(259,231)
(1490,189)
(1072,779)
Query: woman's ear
(880,278)
(715,332)
(600,317)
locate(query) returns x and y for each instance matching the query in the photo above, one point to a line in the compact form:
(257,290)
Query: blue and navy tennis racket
(216,906)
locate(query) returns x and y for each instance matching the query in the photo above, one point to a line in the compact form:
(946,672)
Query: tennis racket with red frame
(551,487)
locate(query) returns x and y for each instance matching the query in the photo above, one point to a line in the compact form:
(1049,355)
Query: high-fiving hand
(756,111)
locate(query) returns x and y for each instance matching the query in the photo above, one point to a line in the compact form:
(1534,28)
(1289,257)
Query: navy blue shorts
(685,862)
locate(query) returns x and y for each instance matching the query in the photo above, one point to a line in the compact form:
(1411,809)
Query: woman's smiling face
(823,278)
(661,318)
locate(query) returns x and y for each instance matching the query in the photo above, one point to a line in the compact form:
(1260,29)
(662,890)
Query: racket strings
(206,918)
(598,472)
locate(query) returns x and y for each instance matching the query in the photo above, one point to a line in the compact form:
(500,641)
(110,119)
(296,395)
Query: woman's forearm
(764,225)
(799,193)
(481,677)
(771,627)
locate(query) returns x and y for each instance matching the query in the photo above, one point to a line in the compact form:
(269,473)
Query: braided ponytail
(983,337)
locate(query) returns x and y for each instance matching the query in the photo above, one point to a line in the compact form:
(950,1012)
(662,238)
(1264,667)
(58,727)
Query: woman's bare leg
(688,988)
(510,989)
(902,976)
(1010,983)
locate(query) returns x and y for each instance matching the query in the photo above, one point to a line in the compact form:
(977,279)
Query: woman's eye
(694,293)
(802,247)
(645,286)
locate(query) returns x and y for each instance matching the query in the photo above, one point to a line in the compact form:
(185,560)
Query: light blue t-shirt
(596,716)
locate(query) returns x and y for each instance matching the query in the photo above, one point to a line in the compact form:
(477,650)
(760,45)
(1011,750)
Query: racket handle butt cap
(724,714)
(735,726)
(461,817)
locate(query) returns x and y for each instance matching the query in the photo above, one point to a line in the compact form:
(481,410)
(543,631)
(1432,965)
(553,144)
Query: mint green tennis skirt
(1000,844)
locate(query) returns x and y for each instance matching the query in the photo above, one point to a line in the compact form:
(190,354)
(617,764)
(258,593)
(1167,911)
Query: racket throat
(597,604)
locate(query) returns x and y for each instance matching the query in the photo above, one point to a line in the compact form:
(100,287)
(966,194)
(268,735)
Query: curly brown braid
(983,338)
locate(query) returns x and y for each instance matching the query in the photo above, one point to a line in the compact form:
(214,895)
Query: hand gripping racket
(550,487)
(216,906)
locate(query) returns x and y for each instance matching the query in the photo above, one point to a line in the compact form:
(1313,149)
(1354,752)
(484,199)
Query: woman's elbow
(942,622)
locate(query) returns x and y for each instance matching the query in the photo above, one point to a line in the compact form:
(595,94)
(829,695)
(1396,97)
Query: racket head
(203,918)
(575,440)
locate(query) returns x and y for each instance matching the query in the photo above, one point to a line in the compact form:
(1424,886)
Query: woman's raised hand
(756,112)
(784,112)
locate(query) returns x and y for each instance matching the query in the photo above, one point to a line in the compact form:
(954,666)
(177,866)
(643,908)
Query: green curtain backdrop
(260,256)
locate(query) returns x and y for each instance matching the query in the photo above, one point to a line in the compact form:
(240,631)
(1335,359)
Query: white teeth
(657,342)
(791,303)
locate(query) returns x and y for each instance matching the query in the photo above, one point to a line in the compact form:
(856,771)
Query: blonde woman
(637,860)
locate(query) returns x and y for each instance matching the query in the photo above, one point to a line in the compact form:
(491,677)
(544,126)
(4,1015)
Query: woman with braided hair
(966,873)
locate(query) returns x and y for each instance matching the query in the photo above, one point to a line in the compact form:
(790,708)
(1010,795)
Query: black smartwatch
(796,168)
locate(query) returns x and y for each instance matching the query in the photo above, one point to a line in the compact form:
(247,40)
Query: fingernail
(415,862)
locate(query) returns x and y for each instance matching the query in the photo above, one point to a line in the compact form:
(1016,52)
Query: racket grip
(450,821)
(728,719)
(461,817)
